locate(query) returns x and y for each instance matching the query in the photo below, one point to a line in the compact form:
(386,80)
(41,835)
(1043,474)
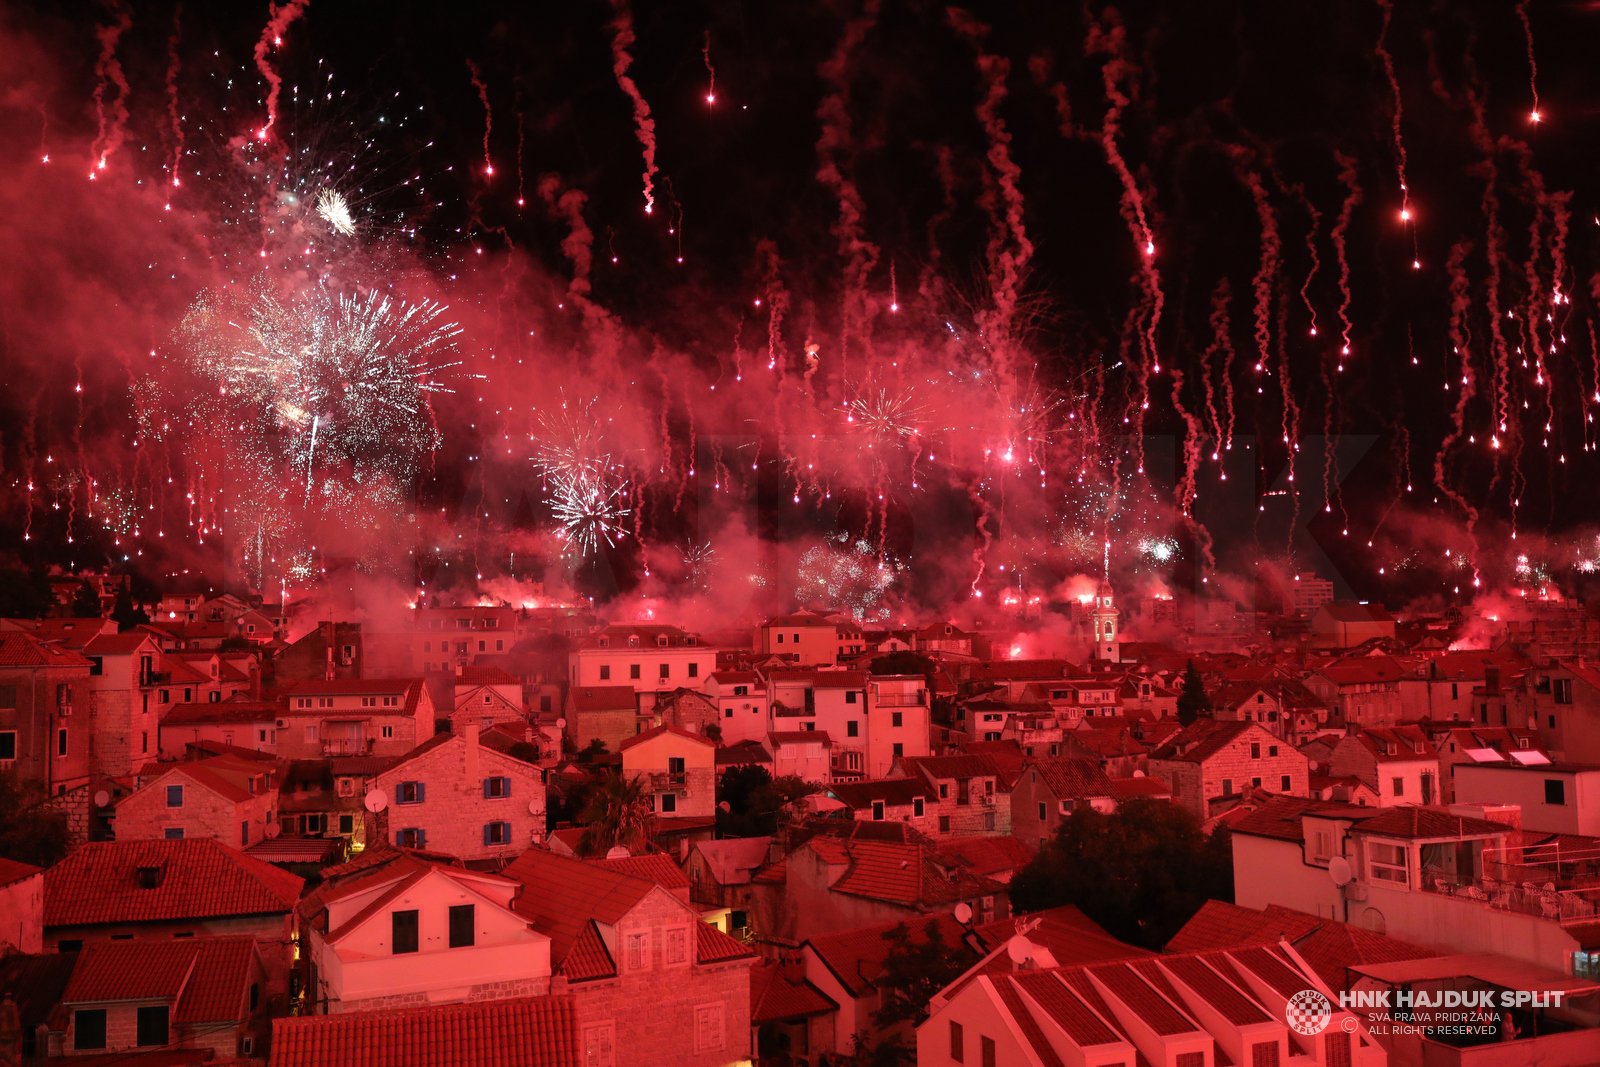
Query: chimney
(472,751)
(794,965)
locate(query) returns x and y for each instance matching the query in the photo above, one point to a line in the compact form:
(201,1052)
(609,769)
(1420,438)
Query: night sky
(927,199)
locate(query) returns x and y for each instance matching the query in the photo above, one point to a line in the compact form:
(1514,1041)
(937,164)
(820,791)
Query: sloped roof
(964,765)
(12,871)
(1419,822)
(526,1032)
(1128,788)
(655,867)
(200,878)
(741,753)
(897,873)
(855,957)
(205,976)
(659,731)
(1221,925)
(985,855)
(604,698)
(227,711)
(734,860)
(1206,736)
(897,792)
(1071,779)
(1280,817)
(18,649)
(36,982)
(774,997)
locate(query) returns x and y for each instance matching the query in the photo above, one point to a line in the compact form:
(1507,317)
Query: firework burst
(849,576)
(590,512)
(335,211)
(569,440)
(886,415)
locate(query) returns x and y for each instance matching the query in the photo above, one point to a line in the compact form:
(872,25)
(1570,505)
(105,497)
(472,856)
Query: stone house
(969,794)
(229,798)
(44,712)
(904,800)
(1049,789)
(465,796)
(1398,763)
(355,717)
(1215,760)
(678,769)
(605,712)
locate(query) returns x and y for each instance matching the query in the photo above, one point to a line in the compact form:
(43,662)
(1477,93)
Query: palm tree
(617,813)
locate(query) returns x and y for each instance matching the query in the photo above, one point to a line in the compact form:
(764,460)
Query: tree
(915,969)
(30,830)
(754,800)
(616,813)
(85,602)
(591,753)
(1192,699)
(1140,872)
(128,615)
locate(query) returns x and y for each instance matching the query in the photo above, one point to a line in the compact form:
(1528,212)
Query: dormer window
(633,641)
(604,642)
(661,640)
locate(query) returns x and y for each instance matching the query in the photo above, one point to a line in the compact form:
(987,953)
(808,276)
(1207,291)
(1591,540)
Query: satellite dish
(536,806)
(1021,950)
(561,724)
(1339,870)
(101,798)
(963,913)
(376,800)
(1138,774)
(273,830)
(618,852)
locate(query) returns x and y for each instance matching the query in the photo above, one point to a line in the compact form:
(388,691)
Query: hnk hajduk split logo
(1308,1012)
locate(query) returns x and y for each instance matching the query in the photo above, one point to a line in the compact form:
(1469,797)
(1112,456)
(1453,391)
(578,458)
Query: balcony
(669,782)
(347,746)
(901,700)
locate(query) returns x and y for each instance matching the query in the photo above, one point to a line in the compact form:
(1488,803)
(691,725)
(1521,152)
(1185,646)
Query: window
(986,1051)
(727,713)
(1255,783)
(8,745)
(311,733)
(410,793)
(600,1045)
(877,811)
(174,796)
(1272,750)
(1255,751)
(1399,786)
(780,639)
(897,719)
(244,834)
(741,690)
(638,957)
(151,1027)
(61,741)
(633,671)
(708,1028)
(664,671)
(899,750)
(1227,787)
(8,695)
(918,807)
(1555,791)
(677,947)
(852,728)
(667,803)
(694,670)
(605,672)
(1387,863)
(89,1029)
(403,931)
(387,731)
(958,1043)
(1043,811)
(347,824)
(173,833)
(1286,787)
(499,786)
(411,837)
(850,696)
(497,833)
(944,824)
(463,925)
(1562,689)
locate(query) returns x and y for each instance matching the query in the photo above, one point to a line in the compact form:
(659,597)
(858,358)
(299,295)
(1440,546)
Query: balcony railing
(347,746)
(1544,899)
(669,782)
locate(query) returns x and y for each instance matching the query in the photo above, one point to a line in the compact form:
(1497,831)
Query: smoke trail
(108,71)
(1397,113)
(930,282)
(279,18)
(1008,259)
(578,244)
(1312,254)
(1271,253)
(488,115)
(1460,340)
(1349,178)
(644,126)
(835,153)
(1533,66)
(1039,68)
(711,71)
(175,120)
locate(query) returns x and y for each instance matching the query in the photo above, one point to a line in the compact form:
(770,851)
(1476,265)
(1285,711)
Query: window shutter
(505,786)
(422,792)
(488,788)
(422,836)
(488,832)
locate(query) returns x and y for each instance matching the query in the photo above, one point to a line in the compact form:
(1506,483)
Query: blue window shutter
(422,839)
(422,792)
(487,790)
(488,832)
(505,784)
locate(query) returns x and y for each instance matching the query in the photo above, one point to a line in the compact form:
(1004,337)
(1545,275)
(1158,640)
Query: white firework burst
(335,211)
(568,440)
(887,415)
(589,510)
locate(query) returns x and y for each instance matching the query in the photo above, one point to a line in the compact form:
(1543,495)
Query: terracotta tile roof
(713,946)
(742,753)
(560,895)
(228,711)
(199,878)
(985,855)
(967,765)
(481,675)
(1201,974)
(656,867)
(896,792)
(1280,817)
(822,679)
(855,957)
(665,728)
(123,644)
(588,958)
(18,649)
(1155,1008)
(1070,779)
(1070,936)
(800,737)
(1032,1032)
(11,871)
(1006,755)
(1417,822)
(734,860)
(36,983)
(1201,740)
(1064,1007)
(1221,925)
(131,970)
(1128,788)
(604,698)
(229,777)
(527,1032)
(773,997)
